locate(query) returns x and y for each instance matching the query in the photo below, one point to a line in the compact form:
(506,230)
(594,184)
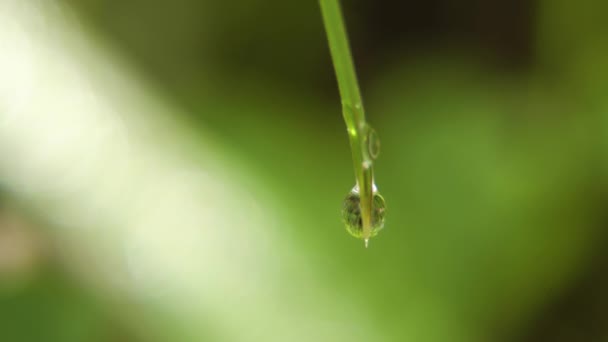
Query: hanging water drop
(351,214)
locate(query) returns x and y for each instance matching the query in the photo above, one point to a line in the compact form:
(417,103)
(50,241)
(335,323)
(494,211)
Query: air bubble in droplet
(351,213)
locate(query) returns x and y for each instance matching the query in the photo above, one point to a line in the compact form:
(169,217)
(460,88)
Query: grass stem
(352,107)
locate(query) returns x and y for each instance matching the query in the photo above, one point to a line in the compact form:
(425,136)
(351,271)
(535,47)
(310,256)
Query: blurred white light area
(134,210)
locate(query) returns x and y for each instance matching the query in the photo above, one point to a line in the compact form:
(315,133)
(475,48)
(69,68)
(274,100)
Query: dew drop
(373,143)
(351,213)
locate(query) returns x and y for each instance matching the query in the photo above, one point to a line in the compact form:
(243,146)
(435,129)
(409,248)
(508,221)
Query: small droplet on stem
(366,243)
(373,143)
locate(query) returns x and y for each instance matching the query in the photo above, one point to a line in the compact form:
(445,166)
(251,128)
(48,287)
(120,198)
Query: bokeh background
(493,117)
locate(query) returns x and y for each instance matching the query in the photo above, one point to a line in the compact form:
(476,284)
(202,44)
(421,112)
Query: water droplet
(351,213)
(373,143)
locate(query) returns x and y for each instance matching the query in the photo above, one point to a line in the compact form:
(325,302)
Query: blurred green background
(493,119)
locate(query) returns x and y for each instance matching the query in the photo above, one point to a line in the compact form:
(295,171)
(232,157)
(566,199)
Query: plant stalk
(352,107)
